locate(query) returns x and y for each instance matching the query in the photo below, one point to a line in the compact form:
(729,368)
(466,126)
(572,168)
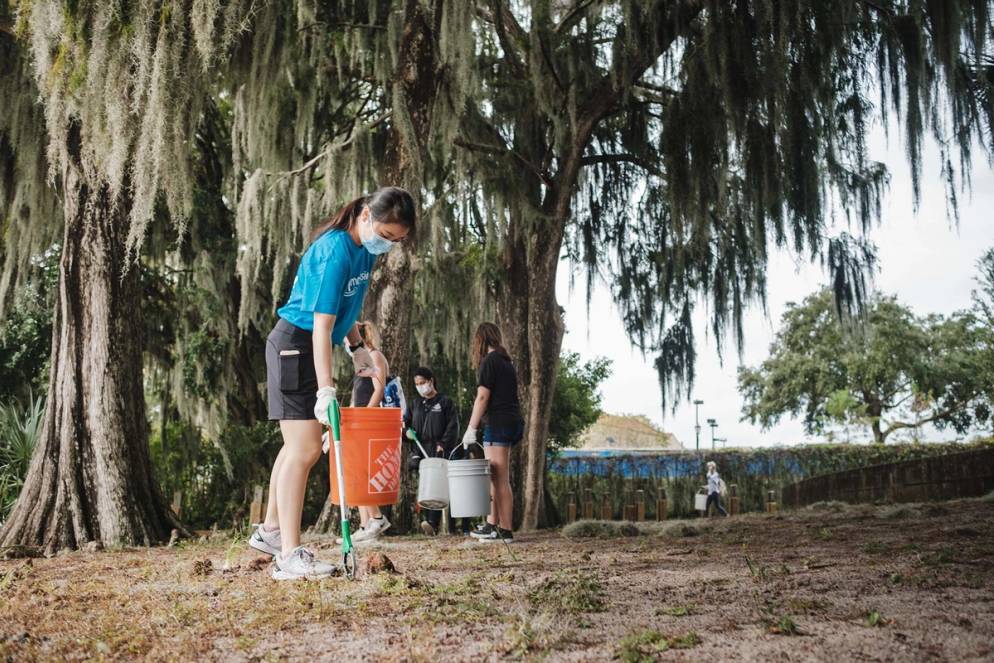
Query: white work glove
(325,396)
(469,438)
(363,363)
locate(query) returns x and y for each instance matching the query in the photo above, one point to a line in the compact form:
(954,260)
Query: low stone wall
(966,474)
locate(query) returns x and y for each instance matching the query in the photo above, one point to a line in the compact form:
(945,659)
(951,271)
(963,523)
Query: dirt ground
(909,582)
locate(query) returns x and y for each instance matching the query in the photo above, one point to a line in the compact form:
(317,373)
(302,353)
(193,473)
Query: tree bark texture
(390,300)
(91,477)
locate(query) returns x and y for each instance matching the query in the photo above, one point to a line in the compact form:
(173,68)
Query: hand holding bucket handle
(460,446)
(411,435)
(348,551)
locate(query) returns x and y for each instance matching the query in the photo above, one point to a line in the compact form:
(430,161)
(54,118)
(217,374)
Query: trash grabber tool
(349,562)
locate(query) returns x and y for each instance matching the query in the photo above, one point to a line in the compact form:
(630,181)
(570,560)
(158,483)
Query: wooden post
(588,504)
(771,505)
(733,499)
(571,508)
(607,511)
(255,508)
(178,503)
(661,504)
(640,504)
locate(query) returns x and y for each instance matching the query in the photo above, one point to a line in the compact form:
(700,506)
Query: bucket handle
(456,448)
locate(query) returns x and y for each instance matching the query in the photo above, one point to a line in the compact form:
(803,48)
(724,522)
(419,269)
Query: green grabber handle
(348,550)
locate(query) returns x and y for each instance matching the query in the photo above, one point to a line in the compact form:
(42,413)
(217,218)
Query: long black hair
(389,204)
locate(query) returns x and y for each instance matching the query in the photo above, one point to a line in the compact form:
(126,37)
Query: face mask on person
(424,389)
(371,240)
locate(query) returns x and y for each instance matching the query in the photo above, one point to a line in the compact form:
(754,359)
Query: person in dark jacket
(433,417)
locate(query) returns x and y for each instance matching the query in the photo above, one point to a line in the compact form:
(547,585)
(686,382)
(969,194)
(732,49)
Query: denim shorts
(503,436)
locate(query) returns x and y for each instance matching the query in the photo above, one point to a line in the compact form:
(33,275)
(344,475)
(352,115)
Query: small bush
(899,511)
(600,529)
(833,506)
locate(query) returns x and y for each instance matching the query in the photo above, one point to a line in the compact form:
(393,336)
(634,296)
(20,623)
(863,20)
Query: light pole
(697,423)
(713,424)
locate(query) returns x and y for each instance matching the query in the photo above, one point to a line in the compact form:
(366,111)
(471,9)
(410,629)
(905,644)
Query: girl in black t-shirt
(497,408)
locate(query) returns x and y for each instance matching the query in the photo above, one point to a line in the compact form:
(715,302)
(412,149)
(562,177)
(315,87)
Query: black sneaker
(485,531)
(497,535)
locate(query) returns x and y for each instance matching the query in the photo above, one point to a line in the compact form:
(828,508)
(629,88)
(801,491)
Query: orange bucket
(370,455)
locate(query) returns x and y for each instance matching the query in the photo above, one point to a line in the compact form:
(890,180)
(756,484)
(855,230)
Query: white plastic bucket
(701,499)
(433,483)
(469,488)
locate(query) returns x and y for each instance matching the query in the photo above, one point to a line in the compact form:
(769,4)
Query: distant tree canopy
(890,371)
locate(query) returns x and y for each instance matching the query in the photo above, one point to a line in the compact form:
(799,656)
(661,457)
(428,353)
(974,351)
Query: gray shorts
(291,381)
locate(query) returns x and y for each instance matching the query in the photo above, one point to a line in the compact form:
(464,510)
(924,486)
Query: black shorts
(291,381)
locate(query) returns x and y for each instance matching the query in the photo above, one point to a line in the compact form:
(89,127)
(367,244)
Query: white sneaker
(338,540)
(267,542)
(373,529)
(300,564)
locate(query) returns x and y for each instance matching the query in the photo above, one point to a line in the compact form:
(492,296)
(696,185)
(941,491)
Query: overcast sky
(925,259)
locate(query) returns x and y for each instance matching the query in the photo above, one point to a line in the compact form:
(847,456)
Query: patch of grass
(806,605)
(938,557)
(609,529)
(762,572)
(989,497)
(875,548)
(675,611)
(874,619)
(895,579)
(569,592)
(824,534)
(899,512)
(784,626)
(600,529)
(645,646)
(833,506)
(530,635)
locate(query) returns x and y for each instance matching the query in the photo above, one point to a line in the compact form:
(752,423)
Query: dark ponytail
(389,204)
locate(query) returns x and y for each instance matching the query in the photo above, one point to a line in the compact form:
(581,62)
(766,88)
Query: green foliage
(576,401)
(26,330)
(889,371)
(216,478)
(19,427)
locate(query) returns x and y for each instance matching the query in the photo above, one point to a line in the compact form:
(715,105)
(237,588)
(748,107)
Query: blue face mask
(372,241)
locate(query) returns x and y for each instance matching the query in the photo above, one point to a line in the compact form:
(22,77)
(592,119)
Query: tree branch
(897,425)
(621,158)
(500,150)
(573,15)
(334,146)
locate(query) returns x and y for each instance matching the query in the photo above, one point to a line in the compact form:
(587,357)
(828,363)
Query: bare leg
(272,520)
(367,512)
(301,449)
(500,485)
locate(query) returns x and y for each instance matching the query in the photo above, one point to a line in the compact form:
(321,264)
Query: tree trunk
(531,320)
(390,301)
(91,477)
(512,317)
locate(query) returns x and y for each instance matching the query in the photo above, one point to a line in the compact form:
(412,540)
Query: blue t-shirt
(332,278)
